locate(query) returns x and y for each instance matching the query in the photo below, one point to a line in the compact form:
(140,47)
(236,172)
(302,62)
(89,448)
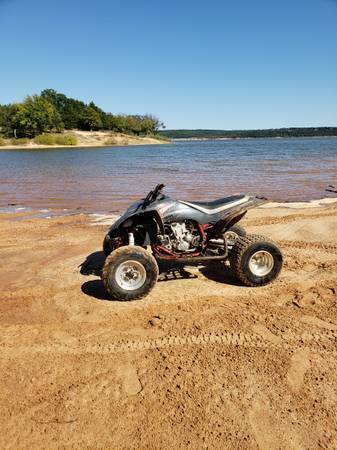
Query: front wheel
(255,261)
(129,273)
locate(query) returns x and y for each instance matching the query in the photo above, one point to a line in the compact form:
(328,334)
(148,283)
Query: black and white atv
(184,233)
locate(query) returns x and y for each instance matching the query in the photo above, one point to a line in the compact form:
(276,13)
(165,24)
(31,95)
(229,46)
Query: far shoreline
(247,138)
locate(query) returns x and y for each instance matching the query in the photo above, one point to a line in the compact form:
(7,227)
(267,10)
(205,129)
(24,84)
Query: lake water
(106,179)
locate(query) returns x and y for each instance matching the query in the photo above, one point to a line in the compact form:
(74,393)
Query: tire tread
(238,251)
(113,258)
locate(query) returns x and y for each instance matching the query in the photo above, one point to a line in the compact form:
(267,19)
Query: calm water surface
(106,179)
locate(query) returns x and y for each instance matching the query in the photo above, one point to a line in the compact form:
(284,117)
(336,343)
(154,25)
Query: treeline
(52,111)
(236,134)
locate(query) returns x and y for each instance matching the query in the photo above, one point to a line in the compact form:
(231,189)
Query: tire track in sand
(290,218)
(317,341)
(302,245)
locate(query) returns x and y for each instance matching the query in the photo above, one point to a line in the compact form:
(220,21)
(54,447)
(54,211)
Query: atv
(183,233)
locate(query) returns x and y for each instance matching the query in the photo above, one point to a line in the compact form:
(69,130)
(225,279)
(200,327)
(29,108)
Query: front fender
(151,222)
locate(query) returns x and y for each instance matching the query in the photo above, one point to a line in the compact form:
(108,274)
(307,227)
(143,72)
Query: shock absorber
(131,239)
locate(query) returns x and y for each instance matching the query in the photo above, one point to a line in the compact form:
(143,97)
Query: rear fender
(224,224)
(235,216)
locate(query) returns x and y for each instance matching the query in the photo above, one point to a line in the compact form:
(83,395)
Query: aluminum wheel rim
(261,263)
(130,275)
(231,238)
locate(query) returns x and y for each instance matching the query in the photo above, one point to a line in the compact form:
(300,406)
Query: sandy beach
(93,139)
(201,362)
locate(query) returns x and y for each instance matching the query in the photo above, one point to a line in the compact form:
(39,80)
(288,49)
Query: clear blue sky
(195,64)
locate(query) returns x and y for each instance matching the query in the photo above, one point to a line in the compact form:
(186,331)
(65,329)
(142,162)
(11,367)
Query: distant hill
(272,133)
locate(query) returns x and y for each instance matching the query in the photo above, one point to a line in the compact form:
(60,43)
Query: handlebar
(153,195)
(158,190)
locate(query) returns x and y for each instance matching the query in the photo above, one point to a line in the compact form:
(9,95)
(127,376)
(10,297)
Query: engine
(181,236)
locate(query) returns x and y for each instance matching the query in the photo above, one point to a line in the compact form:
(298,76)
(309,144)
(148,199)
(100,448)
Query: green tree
(5,119)
(103,115)
(76,114)
(55,111)
(90,120)
(133,124)
(32,117)
(117,123)
(69,109)
(150,124)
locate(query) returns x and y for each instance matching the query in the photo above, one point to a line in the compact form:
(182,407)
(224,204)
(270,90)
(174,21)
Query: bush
(2,141)
(111,141)
(45,139)
(19,141)
(66,139)
(56,139)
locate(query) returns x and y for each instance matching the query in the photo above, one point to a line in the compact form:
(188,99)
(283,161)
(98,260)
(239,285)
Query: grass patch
(19,141)
(2,142)
(66,139)
(56,139)
(111,141)
(120,140)
(45,139)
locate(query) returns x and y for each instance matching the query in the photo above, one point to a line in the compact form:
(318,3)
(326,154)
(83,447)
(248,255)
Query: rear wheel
(129,273)
(255,260)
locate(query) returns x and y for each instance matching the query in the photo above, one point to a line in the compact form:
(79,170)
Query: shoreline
(77,146)
(20,212)
(246,138)
(93,139)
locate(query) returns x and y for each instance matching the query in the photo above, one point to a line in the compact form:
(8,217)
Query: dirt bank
(200,363)
(94,139)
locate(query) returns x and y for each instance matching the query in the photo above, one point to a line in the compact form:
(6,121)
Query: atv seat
(219,205)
